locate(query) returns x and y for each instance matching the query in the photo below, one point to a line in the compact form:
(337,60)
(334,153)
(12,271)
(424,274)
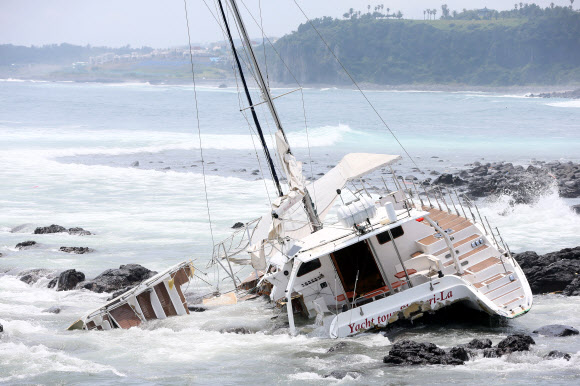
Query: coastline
(230,83)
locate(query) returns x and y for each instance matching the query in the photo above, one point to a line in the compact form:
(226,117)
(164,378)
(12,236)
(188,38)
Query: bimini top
(323,190)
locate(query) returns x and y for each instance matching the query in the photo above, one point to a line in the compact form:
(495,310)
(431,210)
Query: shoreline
(520,89)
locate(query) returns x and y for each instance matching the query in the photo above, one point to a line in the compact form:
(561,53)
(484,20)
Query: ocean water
(66,151)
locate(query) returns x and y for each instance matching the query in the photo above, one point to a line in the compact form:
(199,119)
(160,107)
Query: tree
(388,10)
(444,11)
(434,13)
(399,15)
(369,8)
(424,12)
(571,3)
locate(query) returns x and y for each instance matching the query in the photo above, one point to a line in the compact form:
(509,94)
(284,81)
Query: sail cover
(323,193)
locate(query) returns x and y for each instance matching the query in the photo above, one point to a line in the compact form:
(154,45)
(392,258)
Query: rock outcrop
(60,229)
(25,245)
(523,184)
(556,330)
(555,354)
(552,272)
(408,352)
(115,279)
(69,279)
(513,343)
(77,250)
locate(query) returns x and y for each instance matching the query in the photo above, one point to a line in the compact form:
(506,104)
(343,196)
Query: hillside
(543,49)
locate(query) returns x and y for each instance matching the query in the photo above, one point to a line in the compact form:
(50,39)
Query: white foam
(547,225)
(574,103)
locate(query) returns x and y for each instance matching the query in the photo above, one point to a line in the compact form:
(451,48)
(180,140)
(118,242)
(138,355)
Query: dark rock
(555,354)
(576,208)
(77,250)
(236,330)
(408,352)
(31,276)
(69,279)
(1,328)
(116,279)
(459,353)
(552,272)
(492,352)
(337,347)
(434,173)
(196,309)
(79,232)
(53,310)
(479,344)
(50,229)
(556,330)
(448,179)
(52,283)
(135,164)
(238,225)
(572,289)
(25,244)
(341,374)
(515,342)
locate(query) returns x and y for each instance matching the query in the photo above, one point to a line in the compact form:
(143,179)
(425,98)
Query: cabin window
(357,269)
(384,237)
(308,267)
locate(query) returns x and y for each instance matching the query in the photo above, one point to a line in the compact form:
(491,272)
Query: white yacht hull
(413,302)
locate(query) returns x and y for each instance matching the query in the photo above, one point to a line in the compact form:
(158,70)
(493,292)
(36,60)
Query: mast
(307,200)
(254,116)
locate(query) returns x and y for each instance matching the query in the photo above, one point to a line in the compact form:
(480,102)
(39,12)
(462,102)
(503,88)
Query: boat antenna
(249,97)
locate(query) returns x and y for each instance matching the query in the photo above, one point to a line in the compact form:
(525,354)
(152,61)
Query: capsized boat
(351,259)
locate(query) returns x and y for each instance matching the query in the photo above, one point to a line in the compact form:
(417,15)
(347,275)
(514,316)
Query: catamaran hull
(413,302)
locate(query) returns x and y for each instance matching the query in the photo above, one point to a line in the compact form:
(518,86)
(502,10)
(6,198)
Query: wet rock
(1,328)
(69,279)
(479,344)
(555,354)
(79,231)
(556,330)
(25,245)
(337,347)
(135,164)
(573,289)
(410,178)
(196,309)
(408,352)
(238,225)
(31,276)
(116,279)
(552,272)
(52,283)
(459,353)
(50,229)
(576,208)
(491,352)
(515,342)
(448,179)
(341,374)
(236,330)
(53,310)
(77,250)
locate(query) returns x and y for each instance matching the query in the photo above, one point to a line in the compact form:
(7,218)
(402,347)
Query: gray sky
(161,23)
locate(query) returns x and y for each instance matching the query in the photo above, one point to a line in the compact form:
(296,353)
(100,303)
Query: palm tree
(388,10)
(434,13)
(516,6)
(369,8)
(571,3)
(424,12)
(552,5)
(351,11)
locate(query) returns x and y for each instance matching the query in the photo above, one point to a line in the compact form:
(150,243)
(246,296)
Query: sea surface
(66,151)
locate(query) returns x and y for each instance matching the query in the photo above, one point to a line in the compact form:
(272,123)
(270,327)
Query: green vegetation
(527,45)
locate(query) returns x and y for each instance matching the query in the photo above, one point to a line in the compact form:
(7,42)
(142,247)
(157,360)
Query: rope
(357,86)
(198,125)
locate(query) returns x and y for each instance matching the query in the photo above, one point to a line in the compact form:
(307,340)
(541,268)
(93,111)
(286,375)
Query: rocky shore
(523,184)
(575,94)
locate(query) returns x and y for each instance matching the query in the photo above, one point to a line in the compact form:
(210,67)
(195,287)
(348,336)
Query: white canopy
(323,193)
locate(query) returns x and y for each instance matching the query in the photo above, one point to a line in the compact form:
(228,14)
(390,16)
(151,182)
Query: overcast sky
(161,23)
